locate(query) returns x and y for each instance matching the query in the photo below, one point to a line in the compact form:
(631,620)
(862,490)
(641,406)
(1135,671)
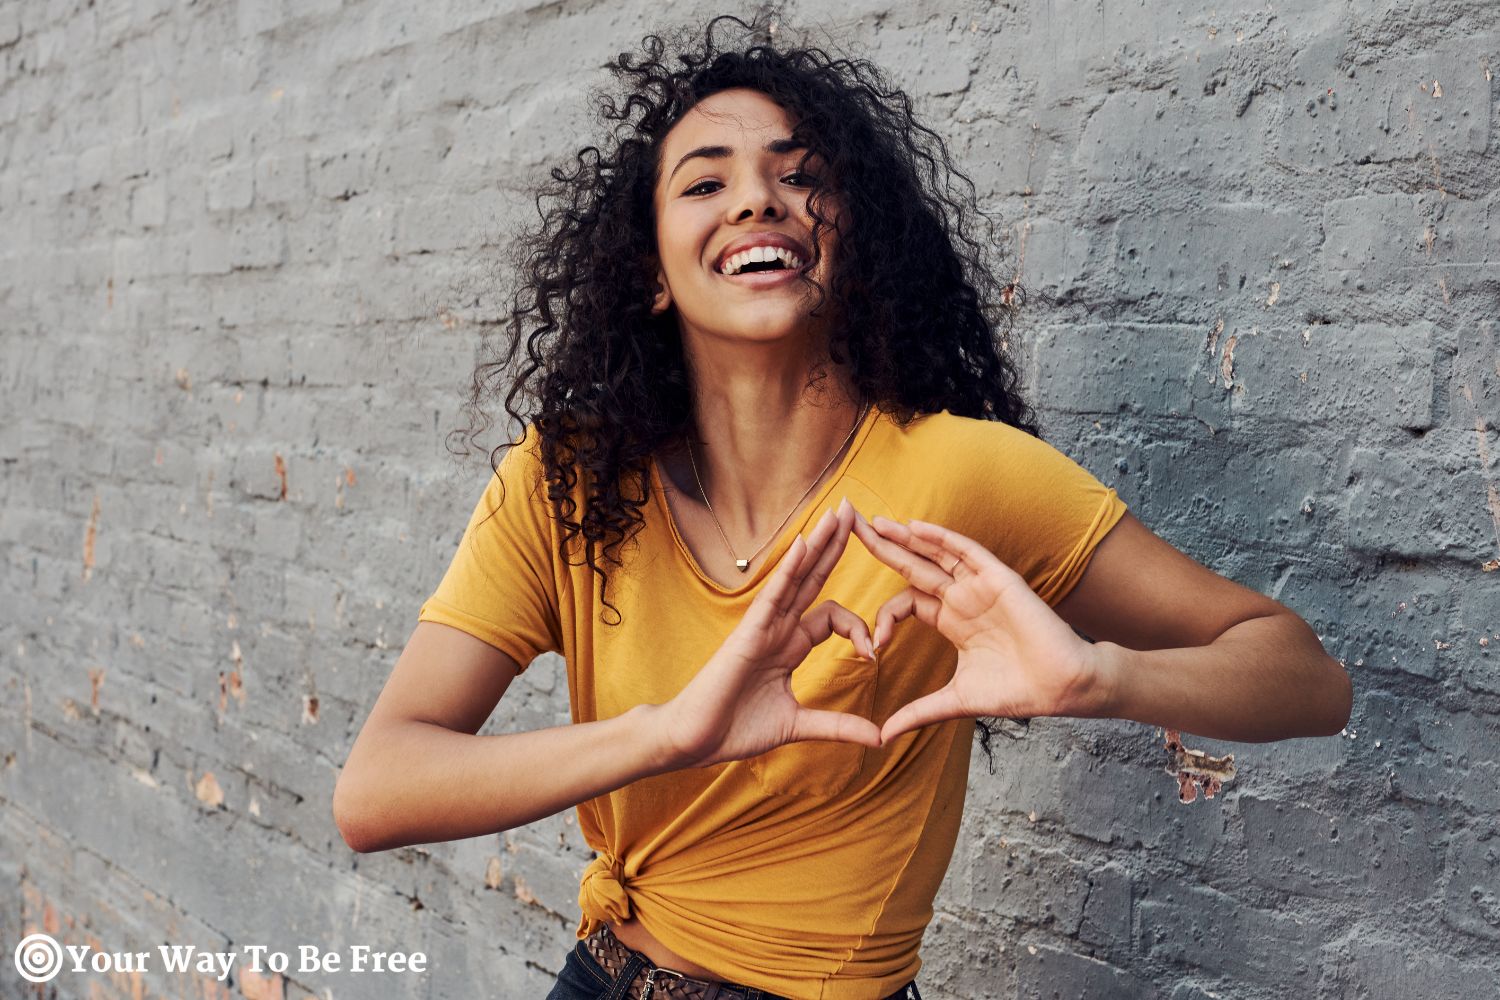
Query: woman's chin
(766,326)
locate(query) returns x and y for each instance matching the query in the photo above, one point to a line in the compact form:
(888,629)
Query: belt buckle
(649,986)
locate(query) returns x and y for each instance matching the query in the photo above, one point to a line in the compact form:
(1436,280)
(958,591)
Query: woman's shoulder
(950,438)
(968,454)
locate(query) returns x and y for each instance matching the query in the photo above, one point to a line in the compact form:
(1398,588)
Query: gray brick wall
(237,248)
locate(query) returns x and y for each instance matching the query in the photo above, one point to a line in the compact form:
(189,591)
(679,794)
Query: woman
(756,326)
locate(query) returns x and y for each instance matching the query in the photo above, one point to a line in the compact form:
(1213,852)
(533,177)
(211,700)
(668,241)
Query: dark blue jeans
(582,978)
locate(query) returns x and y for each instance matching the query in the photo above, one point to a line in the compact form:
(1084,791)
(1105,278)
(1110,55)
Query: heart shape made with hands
(1016,657)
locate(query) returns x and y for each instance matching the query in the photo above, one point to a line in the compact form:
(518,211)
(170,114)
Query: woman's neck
(761,445)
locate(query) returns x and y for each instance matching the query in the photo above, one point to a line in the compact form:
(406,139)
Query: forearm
(419,783)
(1264,679)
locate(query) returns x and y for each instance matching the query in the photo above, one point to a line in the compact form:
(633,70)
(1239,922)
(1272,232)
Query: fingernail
(843,503)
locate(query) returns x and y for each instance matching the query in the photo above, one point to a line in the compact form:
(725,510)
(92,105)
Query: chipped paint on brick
(1226,363)
(208,791)
(88,540)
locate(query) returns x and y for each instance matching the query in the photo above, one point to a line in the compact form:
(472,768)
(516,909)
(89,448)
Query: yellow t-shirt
(811,870)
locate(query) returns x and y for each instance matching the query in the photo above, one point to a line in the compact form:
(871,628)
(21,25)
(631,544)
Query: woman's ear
(662,300)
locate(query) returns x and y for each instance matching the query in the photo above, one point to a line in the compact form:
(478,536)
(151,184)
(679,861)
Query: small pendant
(742,564)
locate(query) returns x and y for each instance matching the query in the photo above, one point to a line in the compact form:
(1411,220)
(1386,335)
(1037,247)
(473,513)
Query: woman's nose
(757,198)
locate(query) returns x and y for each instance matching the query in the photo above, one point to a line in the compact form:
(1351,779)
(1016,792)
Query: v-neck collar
(753,578)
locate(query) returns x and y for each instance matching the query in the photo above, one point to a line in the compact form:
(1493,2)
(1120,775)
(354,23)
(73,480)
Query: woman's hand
(1016,657)
(741,704)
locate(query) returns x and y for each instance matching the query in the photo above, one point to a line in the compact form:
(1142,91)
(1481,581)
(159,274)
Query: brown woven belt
(656,983)
(652,982)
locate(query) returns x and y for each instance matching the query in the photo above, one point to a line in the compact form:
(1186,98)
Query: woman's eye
(800,178)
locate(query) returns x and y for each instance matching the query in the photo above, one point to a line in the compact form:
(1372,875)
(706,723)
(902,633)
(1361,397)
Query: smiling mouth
(764,276)
(760,259)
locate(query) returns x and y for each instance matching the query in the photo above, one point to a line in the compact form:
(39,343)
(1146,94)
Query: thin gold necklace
(743,565)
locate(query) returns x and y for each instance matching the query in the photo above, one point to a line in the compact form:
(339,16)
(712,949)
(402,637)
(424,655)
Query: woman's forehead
(732,118)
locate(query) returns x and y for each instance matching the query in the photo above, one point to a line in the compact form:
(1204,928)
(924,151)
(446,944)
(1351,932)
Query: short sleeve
(1048,513)
(501,585)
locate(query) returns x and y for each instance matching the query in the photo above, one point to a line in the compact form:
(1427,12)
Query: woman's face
(729,183)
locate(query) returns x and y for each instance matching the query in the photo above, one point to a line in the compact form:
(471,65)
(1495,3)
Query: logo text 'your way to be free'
(39,958)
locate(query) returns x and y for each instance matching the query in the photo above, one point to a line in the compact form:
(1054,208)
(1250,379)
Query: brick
(953,966)
(213,137)
(1052,974)
(1155,370)
(1388,243)
(1107,910)
(1186,255)
(209,251)
(148,205)
(1329,375)
(281,178)
(1177,144)
(1200,928)
(1304,850)
(1473,883)
(231,186)
(1386,967)
(1386,109)
(1034,886)
(1396,622)
(1416,479)
(257,242)
(1059,258)
(366,229)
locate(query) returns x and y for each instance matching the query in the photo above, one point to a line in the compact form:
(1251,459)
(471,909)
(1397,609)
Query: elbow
(351,816)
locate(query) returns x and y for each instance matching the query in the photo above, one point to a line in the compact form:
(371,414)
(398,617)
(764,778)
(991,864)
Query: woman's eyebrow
(723,152)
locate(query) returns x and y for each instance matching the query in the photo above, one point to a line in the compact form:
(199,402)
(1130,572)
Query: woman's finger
(781,586)
(940,706)
(779,595)
(975,556)
(918,570)
(814,540)
(901,534)
(828,557)
(909,602)
(830,617)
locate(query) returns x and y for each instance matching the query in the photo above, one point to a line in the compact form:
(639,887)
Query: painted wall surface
(1261,244)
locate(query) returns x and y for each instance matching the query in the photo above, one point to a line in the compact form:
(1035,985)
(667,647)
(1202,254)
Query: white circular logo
(38,958)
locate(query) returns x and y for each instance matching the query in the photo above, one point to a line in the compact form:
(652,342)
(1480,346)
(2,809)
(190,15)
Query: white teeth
(761,254)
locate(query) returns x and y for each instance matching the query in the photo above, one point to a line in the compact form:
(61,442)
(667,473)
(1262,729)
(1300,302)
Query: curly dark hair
(922,322)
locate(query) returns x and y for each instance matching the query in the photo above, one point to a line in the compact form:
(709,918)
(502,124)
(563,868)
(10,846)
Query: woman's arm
(417,774)
(1178,645)
(1181,647)
(1263,679)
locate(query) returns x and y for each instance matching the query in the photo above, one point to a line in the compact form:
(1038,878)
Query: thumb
(820,724)
(940,706)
